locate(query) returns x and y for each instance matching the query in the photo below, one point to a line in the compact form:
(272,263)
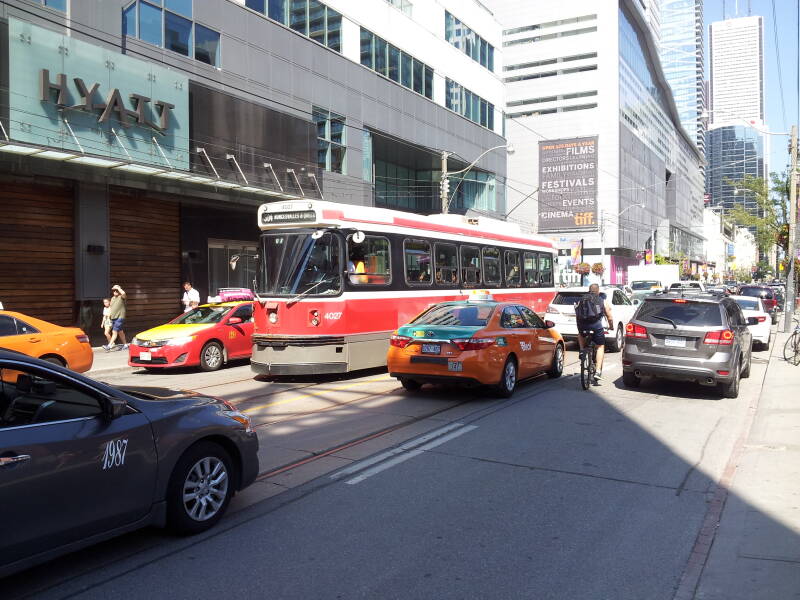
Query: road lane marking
(314,394)
(363,464)
(407,455)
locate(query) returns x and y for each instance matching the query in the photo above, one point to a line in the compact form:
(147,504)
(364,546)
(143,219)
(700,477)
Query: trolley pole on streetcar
(791,290)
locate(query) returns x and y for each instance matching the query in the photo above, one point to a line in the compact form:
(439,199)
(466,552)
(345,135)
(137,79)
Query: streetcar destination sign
(282,217)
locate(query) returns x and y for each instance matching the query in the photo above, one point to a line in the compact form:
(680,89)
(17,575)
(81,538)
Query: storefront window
(220,274)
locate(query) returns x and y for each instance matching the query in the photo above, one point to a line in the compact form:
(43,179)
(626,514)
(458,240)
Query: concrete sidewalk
(756,550)
(108,362)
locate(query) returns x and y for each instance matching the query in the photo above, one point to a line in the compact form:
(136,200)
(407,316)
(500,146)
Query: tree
(771,220)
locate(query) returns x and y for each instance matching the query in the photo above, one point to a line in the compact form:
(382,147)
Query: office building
(682,54)
(600,153)
(139,137)
(735,146)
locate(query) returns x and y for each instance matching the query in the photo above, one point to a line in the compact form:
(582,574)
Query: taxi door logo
(232,334)
(525,346)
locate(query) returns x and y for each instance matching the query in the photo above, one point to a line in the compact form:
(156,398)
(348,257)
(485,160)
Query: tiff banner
(568,184)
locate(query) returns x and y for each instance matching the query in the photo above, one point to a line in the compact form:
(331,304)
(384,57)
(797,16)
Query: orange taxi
(475,342)
(65,346)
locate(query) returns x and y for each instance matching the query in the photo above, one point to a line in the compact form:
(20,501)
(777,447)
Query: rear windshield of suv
(570,298)
(747,304)
(756,292)
(693,314)
(645,285)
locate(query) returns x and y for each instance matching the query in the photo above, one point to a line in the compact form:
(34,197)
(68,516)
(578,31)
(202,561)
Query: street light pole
(792,253)
(444,182)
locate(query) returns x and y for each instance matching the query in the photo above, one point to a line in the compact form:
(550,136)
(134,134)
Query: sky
(787,35)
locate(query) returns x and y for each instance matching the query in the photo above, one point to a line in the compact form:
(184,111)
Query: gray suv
(701,338)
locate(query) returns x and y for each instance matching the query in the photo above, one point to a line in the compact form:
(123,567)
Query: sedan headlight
(135,341)
(180,341)
(237,416)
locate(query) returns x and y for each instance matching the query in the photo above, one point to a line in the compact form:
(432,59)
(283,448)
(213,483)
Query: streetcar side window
(446,264)
(417,261)
(512,272)
(368,262)
(545,270)
(530,270)
(491,266)
(470,266)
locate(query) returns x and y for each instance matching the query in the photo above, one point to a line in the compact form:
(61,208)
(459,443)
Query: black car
(81,461)
(702,338)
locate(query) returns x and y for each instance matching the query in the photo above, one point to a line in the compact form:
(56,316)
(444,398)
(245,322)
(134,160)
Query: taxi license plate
(675,342)
(431,348)
(145,356)
(454,365)
(570,319)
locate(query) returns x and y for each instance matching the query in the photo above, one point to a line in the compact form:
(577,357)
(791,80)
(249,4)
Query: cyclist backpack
(589,308)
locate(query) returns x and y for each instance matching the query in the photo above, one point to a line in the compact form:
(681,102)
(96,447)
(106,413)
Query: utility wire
(778,61)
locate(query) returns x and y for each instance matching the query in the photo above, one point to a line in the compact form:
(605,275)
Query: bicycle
(791,349)
(588,367)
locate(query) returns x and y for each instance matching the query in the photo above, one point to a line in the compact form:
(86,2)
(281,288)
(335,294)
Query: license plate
(145,356)
(570,319)
(454,365)
(675,342)
(431,348)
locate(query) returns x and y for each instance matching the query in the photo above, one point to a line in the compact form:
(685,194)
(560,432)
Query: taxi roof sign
(480,295)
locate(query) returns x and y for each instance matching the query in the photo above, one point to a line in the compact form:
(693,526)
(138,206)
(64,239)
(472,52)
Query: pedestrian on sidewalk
(189,295)
(105,322)
(117,313)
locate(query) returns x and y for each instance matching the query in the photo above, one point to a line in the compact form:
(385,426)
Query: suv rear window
(756,292)
(693,314)
(745,304)
(645,285)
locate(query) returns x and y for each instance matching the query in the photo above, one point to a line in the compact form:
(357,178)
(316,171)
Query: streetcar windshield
(295,263)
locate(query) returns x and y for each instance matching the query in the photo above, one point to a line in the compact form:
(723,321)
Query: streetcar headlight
(273,317)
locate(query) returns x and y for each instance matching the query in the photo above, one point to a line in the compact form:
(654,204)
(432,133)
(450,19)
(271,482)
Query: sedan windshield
(295,263)
(202,314)
(464,315)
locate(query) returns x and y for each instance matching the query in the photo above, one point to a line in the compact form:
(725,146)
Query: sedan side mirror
(234,321)
(752,320)
(114,408)
(636,301)
(549,324)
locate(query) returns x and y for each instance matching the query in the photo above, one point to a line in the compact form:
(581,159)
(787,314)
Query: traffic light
(444,193)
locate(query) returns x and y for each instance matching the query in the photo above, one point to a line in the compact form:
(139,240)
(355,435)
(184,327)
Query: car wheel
(211,357)
(630,379)
(746,372)
(200,488)
(55,360)
(731,389)
(619,340)
(508,378)
(410,385)
(557,368)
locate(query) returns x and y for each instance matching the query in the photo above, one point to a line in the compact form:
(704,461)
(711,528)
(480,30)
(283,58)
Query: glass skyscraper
(682,58)
(733,151)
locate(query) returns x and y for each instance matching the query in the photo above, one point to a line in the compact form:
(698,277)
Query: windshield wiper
(308,291)
(670,321)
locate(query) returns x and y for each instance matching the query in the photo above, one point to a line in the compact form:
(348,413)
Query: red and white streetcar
(336,280)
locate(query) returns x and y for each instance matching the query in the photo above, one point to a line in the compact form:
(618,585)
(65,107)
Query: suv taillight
(399,341)
(632,330)
(473,343)
(723,337)
(552,309)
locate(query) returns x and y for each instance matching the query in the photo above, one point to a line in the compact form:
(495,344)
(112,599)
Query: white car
(561,311)
(754,307)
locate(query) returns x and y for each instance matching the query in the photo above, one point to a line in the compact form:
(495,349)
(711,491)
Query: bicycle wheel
(791,350)
(587,368)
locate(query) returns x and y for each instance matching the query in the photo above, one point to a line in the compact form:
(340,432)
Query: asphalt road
(368,491)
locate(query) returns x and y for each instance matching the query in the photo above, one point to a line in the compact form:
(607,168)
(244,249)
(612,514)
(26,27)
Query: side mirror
(549,324)
(636,301)
(234,320)
(113,408)
(752,320)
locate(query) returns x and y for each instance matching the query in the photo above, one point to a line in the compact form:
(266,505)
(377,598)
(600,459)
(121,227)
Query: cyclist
(589,313)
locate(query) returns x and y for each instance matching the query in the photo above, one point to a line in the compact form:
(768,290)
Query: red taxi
(209,336)
(475,342)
